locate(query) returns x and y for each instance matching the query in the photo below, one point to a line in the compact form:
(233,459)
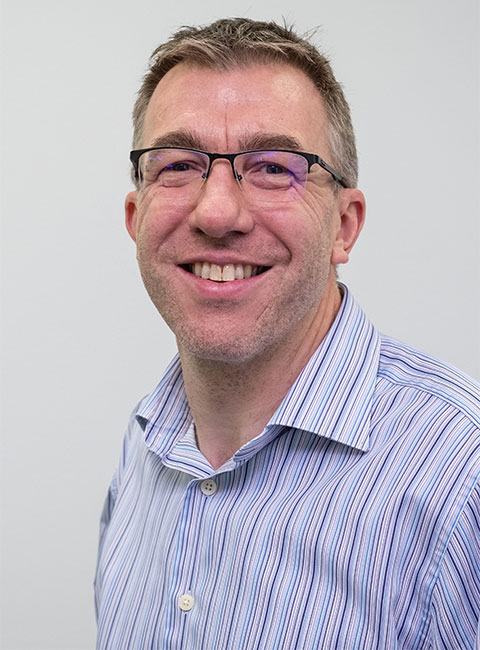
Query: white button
(208,487)
(185,602)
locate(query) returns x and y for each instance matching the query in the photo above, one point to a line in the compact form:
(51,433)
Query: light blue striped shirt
(351,522)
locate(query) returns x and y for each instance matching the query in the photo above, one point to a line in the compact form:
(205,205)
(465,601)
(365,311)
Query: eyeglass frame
(311,159)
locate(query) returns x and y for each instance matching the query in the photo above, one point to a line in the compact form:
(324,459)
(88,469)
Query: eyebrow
(268,141)
(258,141)
(180,138)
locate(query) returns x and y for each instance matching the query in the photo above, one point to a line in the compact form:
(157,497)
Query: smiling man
(295,480)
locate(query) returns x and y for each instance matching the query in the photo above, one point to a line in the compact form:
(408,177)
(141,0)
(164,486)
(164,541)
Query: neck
(232,402)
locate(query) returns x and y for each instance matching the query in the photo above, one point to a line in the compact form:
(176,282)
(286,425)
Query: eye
(177,167)
(266,168)
(271,168)
(172,167)
(275,166)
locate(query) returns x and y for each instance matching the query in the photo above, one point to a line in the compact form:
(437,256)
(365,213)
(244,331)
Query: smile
(225,272)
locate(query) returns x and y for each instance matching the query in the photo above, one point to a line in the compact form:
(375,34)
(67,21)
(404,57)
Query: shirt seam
(433,393)
(435,587)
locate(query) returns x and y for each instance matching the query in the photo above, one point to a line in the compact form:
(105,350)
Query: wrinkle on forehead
(225,123)
(229,108)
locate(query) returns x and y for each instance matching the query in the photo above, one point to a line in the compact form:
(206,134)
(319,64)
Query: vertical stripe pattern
(351,522)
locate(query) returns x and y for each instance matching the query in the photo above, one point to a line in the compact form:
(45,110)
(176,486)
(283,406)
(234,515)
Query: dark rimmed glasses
(273,176)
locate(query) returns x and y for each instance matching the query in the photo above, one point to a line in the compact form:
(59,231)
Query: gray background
(81,342)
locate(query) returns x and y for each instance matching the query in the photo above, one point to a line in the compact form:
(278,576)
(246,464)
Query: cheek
(305,225)
(158,221)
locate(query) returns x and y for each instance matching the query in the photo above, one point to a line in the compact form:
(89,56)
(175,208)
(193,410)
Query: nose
(220,208)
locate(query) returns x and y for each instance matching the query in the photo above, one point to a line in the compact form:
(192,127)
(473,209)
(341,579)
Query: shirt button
(208,487)
(185,602)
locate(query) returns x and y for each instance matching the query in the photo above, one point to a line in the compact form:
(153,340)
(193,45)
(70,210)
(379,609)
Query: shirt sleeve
(456,599)
(104,521)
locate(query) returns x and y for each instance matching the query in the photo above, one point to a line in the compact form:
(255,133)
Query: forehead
(224,108)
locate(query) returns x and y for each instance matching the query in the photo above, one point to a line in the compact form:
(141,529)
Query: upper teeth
(225,273)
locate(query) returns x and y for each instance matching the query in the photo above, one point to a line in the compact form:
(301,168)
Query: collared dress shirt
(351,522)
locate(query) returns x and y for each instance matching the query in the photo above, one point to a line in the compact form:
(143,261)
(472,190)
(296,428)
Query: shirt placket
(185,606)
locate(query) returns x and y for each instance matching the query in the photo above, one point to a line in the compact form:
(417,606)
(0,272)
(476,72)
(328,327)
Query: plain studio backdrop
(81,341)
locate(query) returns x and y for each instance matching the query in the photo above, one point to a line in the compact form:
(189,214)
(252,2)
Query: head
(238,86)
(233,43)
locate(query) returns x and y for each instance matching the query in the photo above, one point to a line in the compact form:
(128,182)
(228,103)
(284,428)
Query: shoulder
(403,367)
(426,415)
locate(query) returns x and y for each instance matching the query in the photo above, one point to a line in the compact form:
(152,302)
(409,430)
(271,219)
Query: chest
(297,546)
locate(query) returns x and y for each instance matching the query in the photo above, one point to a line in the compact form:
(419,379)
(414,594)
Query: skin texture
(234,335)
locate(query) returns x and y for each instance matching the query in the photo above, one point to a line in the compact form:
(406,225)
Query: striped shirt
(351,522)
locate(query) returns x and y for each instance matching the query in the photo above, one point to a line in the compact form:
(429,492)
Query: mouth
(225,272)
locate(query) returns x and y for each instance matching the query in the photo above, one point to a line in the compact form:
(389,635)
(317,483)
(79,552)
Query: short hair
(232,43)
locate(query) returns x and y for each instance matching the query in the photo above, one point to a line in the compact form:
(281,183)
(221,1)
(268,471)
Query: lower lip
(222,290)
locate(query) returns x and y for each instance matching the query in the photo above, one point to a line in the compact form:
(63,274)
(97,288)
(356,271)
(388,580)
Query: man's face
(294,243)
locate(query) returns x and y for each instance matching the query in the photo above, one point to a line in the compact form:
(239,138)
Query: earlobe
(351,206)
(131,214)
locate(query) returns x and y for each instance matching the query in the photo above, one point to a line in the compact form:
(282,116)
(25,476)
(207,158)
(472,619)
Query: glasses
(273,176)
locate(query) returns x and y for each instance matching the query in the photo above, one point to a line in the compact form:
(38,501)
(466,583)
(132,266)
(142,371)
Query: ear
(131,214)
(351,216)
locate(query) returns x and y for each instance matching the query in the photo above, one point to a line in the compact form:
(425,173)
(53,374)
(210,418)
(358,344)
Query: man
(296,480)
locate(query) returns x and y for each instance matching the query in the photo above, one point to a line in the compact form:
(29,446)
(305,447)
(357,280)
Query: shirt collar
(331,397)
(164,415)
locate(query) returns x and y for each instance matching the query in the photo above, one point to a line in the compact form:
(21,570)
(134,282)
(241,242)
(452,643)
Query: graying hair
(232,43)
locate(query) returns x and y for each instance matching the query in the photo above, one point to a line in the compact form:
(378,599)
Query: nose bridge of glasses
(225,156)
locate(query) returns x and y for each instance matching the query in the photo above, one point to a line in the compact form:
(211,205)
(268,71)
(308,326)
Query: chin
(230,348)
(230,352)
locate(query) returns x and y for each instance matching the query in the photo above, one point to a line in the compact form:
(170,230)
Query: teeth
(205,272)
(216,273)
(225,273)
(228,273)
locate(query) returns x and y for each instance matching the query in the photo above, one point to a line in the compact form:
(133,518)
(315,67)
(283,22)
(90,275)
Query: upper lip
(221,259)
